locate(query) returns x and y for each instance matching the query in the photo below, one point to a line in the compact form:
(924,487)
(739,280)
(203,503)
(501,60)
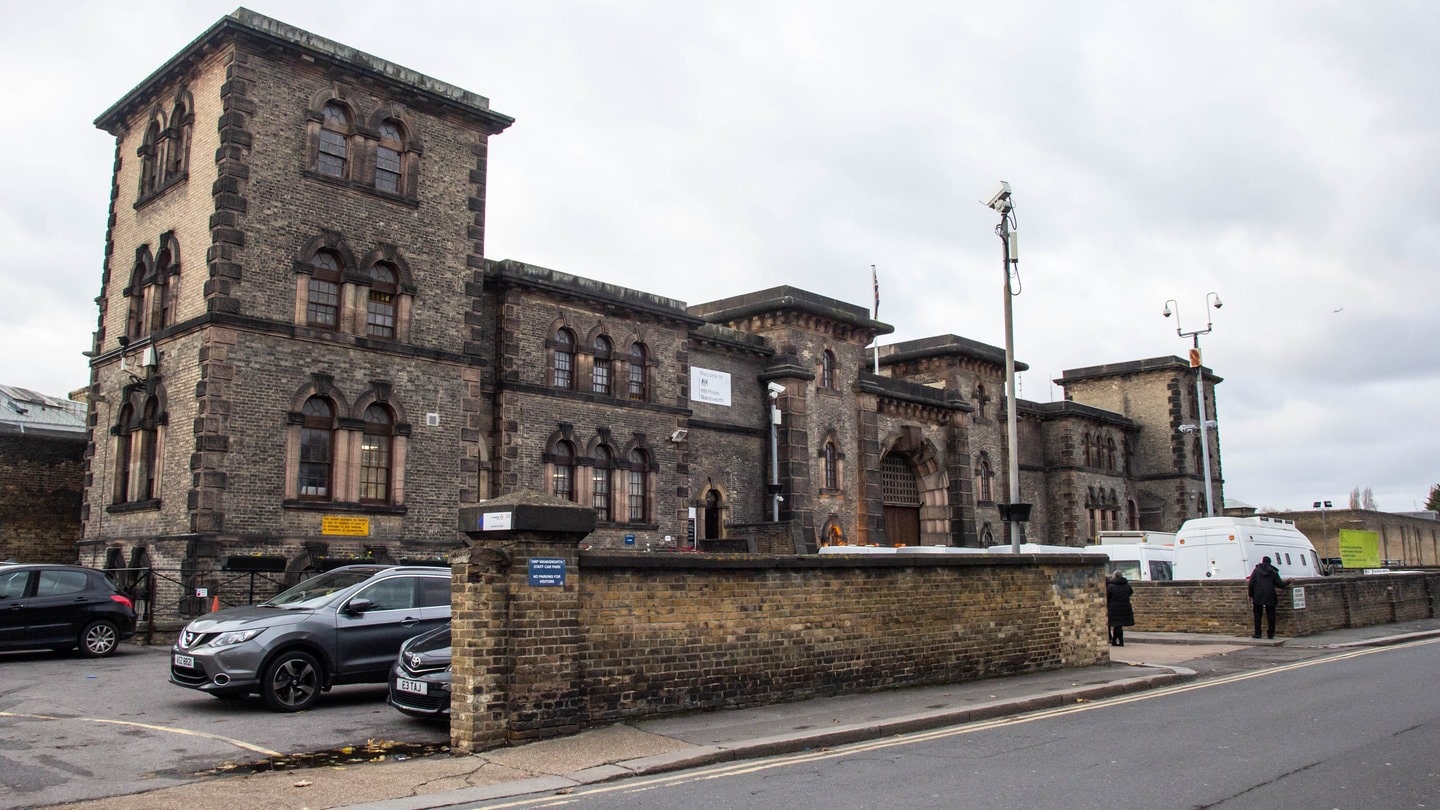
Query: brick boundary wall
(633,635)
(1331,603)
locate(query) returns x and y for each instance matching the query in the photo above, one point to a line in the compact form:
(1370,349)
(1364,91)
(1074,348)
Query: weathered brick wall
(640,635)
(40,494)
(1223,607)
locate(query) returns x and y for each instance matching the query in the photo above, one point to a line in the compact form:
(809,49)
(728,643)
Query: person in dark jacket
(1265,585)
(1117,607)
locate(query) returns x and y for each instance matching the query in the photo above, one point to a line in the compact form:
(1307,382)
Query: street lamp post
(1322,506)
(1211,300)
(1016,512)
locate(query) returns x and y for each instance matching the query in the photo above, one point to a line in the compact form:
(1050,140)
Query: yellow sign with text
(1359,548)
(345,526)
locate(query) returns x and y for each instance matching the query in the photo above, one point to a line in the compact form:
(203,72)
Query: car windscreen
(316,591)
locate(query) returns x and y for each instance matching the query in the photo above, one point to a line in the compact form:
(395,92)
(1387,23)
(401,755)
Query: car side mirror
(357,606)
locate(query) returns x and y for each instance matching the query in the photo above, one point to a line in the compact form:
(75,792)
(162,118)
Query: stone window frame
(348,448)
(602,479)
(562,349)
(832,464)
(356,286)
(984,478)
(639,486)
(150,295)
(602,365)
(139,436)
(382,149)
(560,465)
(638,374)
(164,149)
(829,371)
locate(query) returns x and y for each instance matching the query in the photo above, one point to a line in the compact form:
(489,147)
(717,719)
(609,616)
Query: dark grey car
(343,626)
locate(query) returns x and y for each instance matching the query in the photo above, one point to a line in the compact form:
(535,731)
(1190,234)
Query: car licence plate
(413,687)
(186,661)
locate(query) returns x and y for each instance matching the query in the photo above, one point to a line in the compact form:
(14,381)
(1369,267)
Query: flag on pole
(875,281)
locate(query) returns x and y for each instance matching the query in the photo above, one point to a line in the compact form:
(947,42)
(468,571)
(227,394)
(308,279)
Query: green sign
(1359,548)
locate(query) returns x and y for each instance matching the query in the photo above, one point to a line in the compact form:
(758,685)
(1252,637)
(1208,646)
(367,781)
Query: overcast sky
(1280,154)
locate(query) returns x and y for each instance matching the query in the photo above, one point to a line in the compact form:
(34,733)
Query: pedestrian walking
(1265,585)
(1118,609)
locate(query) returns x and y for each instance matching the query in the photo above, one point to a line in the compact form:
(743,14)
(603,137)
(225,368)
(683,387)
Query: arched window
(639,499)
(562,366)
(639,359)
(177,151)
(1089,459)
(562,471)
(161,304)
(323,306)
(1196,451)
(832,466)
(150,160)
(317,449)
(600,484)
(375,454)
(122,453)
(389,168)
(984,478)
(827,370)
(334,149)
(380,307)
(1110,454)
(148,455)
(600,369)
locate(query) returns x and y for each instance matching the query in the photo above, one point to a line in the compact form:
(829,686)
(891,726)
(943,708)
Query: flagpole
(875,282)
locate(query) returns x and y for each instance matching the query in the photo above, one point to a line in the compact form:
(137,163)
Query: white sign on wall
(707,385)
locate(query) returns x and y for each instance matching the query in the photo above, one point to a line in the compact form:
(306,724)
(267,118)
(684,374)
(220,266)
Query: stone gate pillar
(515,622)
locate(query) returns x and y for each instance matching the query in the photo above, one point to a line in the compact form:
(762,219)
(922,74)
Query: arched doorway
(900,492)
(712,515)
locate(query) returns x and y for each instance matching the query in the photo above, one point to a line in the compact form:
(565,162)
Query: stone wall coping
(720,562)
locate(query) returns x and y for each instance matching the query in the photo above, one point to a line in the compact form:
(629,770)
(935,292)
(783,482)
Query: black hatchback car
(62,607)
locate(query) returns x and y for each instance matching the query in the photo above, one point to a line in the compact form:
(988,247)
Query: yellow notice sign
(1359,548)
(345,525)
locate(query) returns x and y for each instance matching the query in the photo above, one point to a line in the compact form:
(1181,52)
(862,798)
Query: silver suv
(343,626)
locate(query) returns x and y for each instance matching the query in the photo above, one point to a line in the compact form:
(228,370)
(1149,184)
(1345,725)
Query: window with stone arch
(600,494)
(832,466)
(381,303)
(1199,457)
(377,455)
(140,278)
(333,149)
(322,308)
(638,496)
(151,160)
(601,367)
(639,384)
(317,449)
(177,147)
(1110,454)
(161,310)
(562,471)
(389,157)
(984,478)
(137,451)
(827,370)
(562,359)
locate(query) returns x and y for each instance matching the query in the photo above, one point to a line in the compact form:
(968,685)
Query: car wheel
(99,639)
(292,682)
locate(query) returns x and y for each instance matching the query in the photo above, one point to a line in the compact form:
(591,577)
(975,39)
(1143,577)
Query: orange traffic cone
(215,603)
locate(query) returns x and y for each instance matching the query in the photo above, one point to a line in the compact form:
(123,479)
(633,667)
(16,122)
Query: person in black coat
(1117,607)
(1265,585)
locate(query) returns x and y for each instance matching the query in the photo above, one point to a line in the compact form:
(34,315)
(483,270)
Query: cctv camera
(1217,302)
(999,197)
(776,389)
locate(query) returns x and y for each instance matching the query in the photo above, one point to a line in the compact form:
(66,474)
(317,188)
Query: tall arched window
(161,303)
(562,471)
(984,478)
(334,154)
(639,358)
(177,151)
(1089,457)
(600,484)
(148,455)
(638,496)
(562,366)
(389,169)
(323,306)
(380,306)
(1110,454)
(832,466)
(317,449)
(150,160)
(600,368)
(827,370)
(375,454)
(122,453)
(1199,457)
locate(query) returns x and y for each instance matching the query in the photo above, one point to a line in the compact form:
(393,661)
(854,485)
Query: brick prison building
(304,355)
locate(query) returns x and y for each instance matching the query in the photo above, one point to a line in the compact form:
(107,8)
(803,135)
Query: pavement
(1148,661)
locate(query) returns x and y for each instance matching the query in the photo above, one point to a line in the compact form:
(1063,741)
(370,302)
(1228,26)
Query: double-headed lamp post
(1211,300)
(1014,512)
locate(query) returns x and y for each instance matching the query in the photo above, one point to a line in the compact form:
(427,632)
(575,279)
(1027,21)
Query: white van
(1230,547)
(1139,561)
